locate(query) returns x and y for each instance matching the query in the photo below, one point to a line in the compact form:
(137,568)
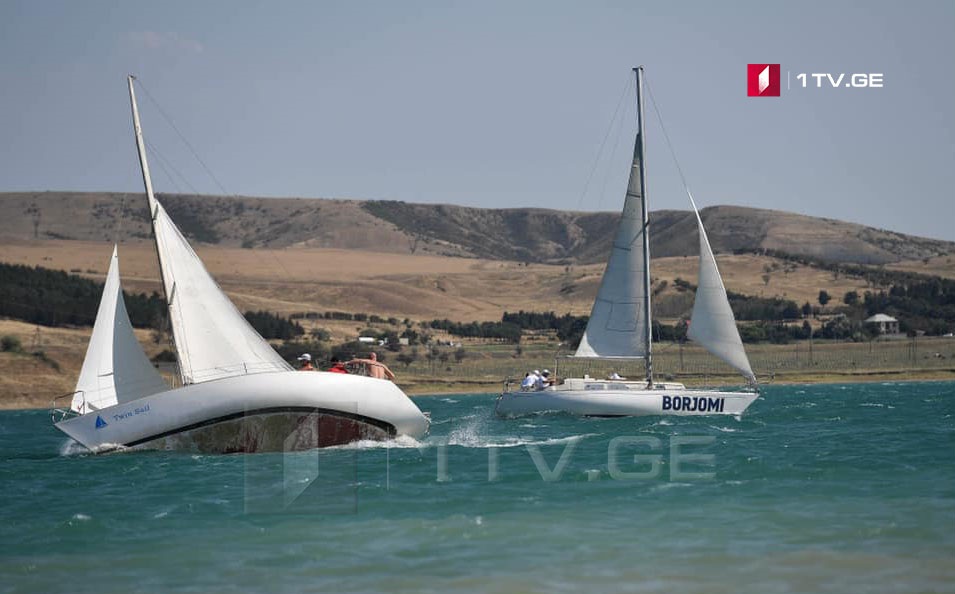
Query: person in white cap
(546,380)
(306,360)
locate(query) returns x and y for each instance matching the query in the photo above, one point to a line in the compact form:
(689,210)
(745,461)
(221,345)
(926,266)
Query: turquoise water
(830,488)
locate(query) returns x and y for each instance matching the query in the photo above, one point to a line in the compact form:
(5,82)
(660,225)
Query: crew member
(337,366)
(376,369)
(306,360)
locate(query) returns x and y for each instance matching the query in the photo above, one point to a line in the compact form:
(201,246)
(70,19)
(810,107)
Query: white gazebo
(886,324)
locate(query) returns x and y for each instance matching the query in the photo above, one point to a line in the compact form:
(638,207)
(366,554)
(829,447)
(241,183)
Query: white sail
(712,323)
(213,340)
(619,324)
(115,369)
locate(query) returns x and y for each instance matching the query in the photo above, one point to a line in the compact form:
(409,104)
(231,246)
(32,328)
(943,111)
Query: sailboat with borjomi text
(620,325)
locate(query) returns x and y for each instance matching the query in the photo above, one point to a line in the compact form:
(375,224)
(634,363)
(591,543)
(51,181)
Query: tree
(320,334)
(432,354)
(806,309)
(407,358)
(806,329)
(824,298)
(10,344)
(460,354)
(851,298)
(391,340)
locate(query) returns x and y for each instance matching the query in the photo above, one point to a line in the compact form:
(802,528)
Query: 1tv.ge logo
(764,80)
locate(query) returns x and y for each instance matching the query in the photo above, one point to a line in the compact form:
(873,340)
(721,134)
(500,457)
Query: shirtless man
(375,368)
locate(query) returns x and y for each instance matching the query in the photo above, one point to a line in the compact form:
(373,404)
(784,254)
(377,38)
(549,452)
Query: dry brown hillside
(520,234)
(418,286)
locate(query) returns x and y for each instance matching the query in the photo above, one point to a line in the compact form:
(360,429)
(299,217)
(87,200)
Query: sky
(489,104)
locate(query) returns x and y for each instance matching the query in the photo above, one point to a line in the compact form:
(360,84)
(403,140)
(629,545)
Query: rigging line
(666,137)
(603,144)
(118,228)
(613,153)
(198,158)
(183,138)
(162,165)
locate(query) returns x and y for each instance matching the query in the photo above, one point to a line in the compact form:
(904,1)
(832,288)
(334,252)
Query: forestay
(712,323)
(115,369)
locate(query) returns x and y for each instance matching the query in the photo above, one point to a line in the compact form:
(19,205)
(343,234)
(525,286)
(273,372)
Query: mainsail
(619,324)
(712,323)
(115,368)
(213,340)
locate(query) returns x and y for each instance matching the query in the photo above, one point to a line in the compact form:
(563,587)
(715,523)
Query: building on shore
(885,324)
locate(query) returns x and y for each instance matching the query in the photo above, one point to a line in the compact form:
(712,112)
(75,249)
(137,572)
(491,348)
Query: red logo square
(762,80)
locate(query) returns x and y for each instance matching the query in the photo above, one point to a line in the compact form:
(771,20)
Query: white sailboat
(237,393)
(620,327)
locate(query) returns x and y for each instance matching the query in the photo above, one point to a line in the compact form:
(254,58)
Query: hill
(518,234)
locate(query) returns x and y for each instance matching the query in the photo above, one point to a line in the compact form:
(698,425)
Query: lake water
(826,488)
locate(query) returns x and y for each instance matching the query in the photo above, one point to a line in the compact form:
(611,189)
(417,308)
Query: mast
(151,202)
(640,150)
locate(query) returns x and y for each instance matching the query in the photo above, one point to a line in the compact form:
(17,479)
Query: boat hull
(626,402)
(281,411)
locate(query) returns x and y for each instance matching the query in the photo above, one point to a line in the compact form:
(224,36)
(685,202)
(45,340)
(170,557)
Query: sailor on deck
(306,360)
(532,381)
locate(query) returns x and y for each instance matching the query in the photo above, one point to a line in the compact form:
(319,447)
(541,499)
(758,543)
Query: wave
(79,517)
(668,486)
(399,442)
(498,441)
(72,447)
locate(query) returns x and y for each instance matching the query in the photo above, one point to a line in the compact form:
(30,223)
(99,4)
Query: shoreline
(427,387)
(436,388)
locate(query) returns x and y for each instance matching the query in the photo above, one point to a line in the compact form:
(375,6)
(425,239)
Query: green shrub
(10,344)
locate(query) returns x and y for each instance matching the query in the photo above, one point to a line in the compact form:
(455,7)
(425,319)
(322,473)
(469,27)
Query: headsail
(712,323)
(619,325)
(213,340)
(115,368)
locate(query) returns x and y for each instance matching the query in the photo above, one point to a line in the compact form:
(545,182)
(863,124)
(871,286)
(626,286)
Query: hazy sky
(492,104)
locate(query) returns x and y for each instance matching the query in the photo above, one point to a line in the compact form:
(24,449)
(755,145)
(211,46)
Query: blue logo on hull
(100,423)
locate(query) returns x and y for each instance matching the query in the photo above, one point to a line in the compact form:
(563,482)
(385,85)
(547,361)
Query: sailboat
(236,395)
(620,325)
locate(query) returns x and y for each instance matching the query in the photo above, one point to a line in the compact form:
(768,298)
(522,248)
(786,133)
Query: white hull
(624,399)
(280,411)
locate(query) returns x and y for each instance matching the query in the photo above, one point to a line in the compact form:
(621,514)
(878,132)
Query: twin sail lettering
(693,403)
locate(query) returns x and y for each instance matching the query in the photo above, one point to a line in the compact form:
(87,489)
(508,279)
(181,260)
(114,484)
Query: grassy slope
(521,234)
